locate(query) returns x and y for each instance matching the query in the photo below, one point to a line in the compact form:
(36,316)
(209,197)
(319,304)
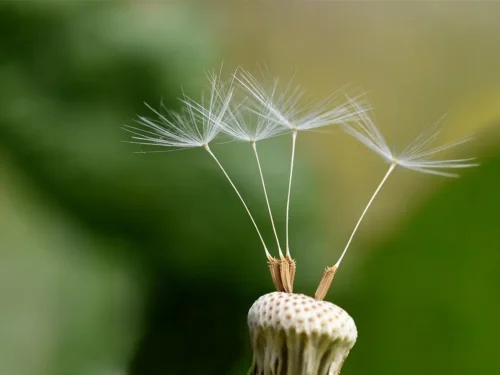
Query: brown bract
(282,273)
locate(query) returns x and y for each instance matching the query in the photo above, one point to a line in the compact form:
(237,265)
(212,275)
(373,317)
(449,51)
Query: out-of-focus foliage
(114,262)
(67,307)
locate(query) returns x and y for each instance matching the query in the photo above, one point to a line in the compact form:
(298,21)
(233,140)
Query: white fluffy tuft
(242,125)
(195,126)
(285,109)
(417,155)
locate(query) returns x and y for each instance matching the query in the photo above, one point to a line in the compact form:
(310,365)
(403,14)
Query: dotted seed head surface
(293,334)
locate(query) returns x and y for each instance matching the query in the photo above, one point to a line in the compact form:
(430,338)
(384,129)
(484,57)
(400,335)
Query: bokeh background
(114,262)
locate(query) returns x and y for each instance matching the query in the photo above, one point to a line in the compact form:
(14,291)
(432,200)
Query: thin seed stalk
(326,280)
(254,146)
(241,199)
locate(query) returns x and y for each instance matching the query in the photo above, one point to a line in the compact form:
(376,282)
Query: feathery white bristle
(171,129)
(195,126)
(416,156)
(285,109)
(243,125)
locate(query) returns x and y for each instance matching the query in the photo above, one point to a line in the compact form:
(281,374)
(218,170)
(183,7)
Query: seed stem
(254,146)
(241,198)
(389,171)
(328,275)
(294,140)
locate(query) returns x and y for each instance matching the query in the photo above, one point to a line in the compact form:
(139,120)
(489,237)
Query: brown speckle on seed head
(276,316)
(302,313)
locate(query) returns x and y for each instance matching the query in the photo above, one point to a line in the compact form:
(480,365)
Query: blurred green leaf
(65,308)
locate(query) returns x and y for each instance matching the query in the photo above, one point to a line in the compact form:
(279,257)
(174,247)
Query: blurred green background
(115,263)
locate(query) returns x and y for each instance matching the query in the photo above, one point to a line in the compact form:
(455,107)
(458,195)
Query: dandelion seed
(414,157)
(196,126)
(243,125)
(284,110)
